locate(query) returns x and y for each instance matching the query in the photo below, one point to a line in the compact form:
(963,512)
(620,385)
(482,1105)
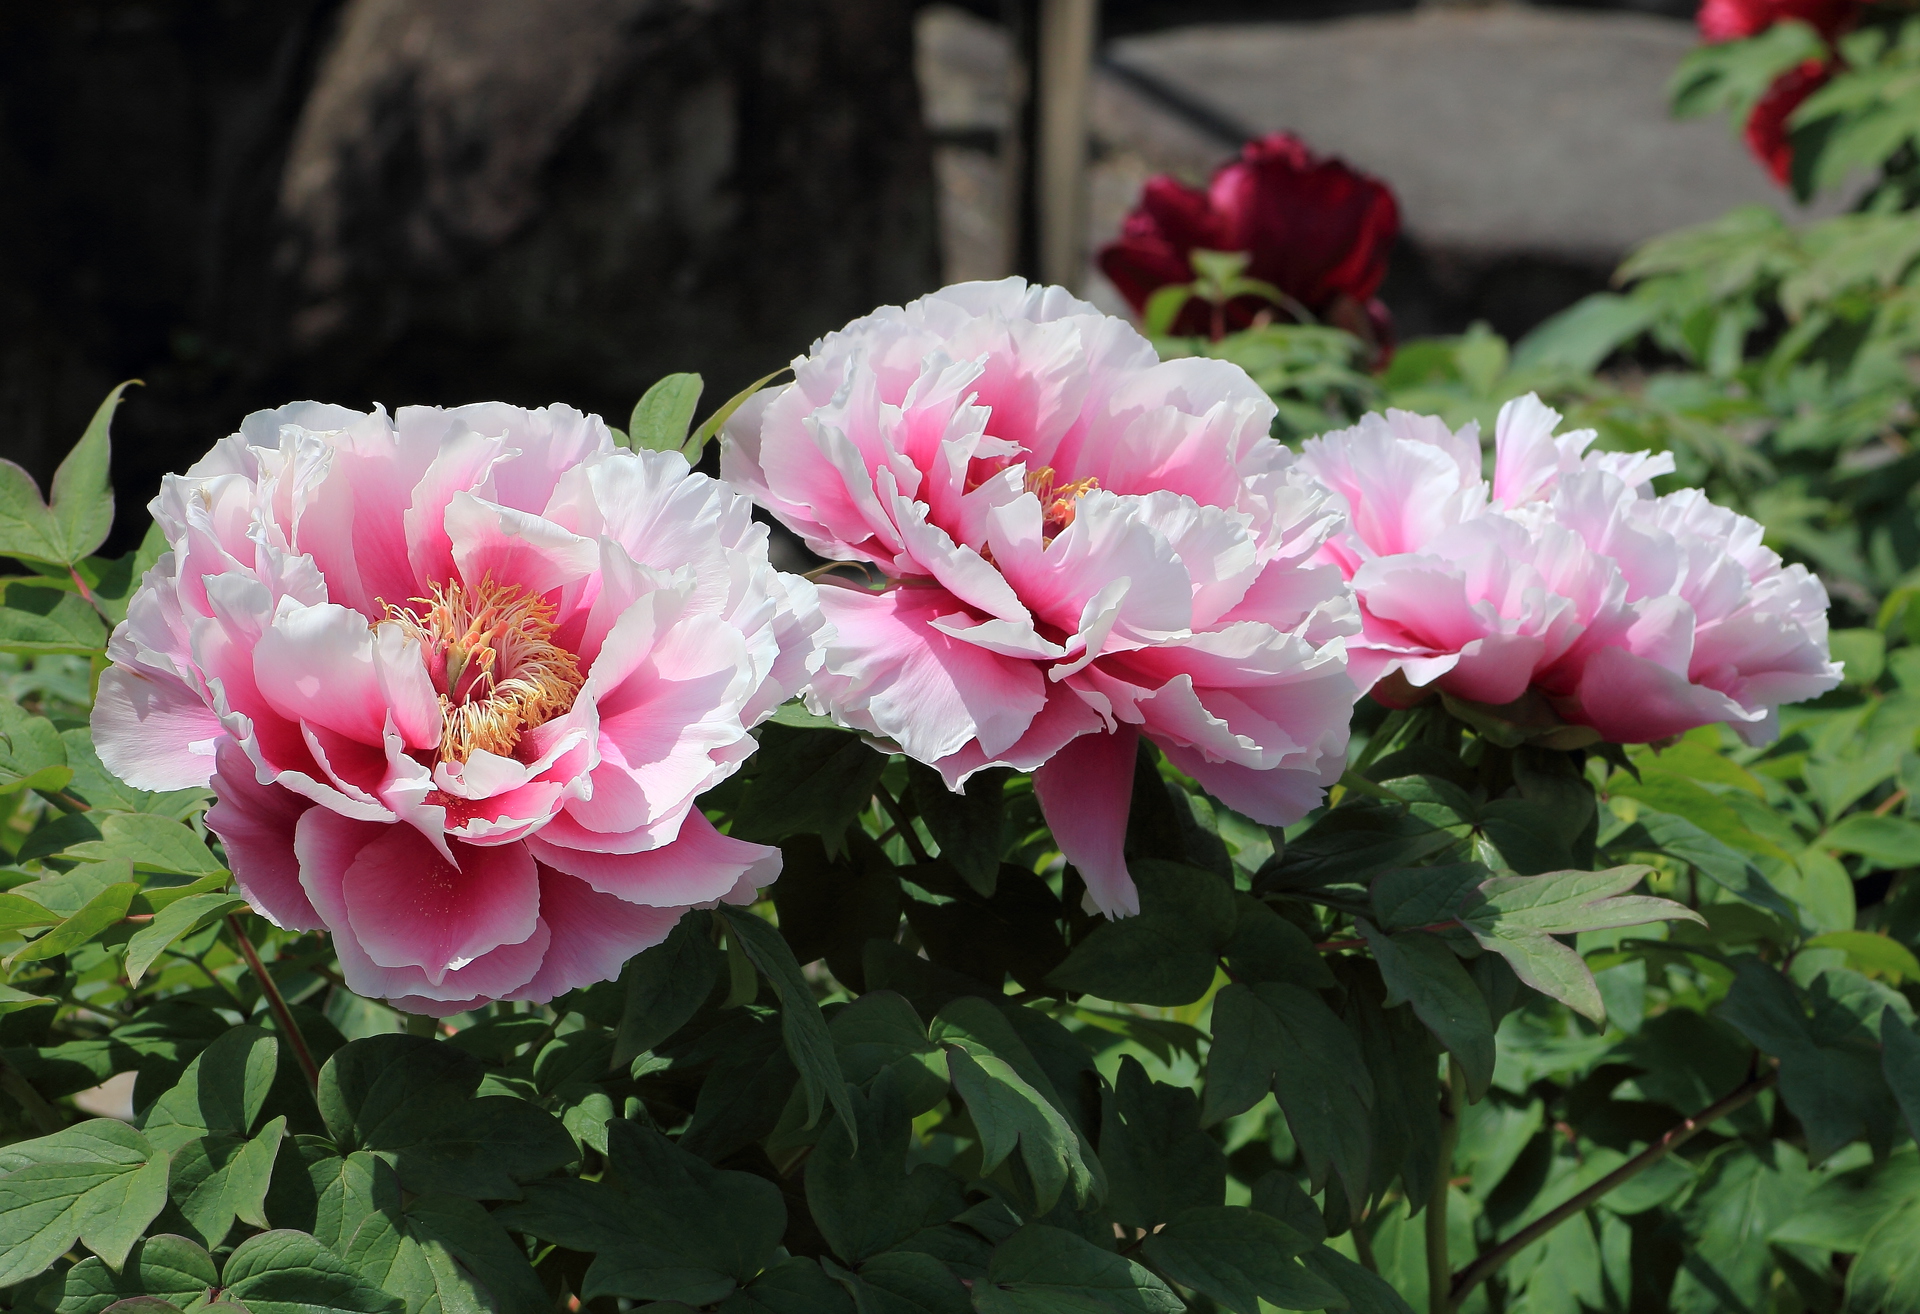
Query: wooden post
(1046,151)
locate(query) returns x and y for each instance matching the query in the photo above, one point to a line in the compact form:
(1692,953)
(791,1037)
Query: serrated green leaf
(222,1176)
(99,1183)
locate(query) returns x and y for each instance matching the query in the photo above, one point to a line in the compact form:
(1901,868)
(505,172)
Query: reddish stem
(282,1015)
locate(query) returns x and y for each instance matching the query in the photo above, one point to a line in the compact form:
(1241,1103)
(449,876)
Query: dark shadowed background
(244,202)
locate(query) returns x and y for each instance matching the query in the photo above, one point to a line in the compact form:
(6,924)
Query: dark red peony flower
(1315,229)
(1766,134)
(1732,20)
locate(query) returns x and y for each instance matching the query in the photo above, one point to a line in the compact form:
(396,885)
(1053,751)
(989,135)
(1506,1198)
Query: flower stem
(905,824)
(1439,1266)
(282,1015)
(1484,1267)
(44,1115)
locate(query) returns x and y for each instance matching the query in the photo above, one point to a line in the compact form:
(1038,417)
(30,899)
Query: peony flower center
(1056,504)
(491,654)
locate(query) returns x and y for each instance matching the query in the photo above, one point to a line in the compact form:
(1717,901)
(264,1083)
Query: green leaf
(1420,969)
(152,842)
(665,986)
(410,1101)
(81,510)
(36,620)
(181,918)
(1889,841)
(220,1177)
(164,1267)
(1158,1160)
(223,1089)
(1166,956)
(792,1286)
(1279,1037)
(1519,916)
(1730,870)
(31,754)
(1012,1100)
(17,911)
(291,1273)
(1900,1061)
(905,1282)
(808,1042)
(865,1201)
(445,1255)
(969,827)
(697,442)
(1410,898)
(99,1183)
(1267,947)
(1873,953)
(103,910)
(830,907)
(663,1224)
(1240,1258)
(662,417)
(1580,337)
(1164,307)
(1366,1292)
(1830,1067)
(1046,1270)
(807,782)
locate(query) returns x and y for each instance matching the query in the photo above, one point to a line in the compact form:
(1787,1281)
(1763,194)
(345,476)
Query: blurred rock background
(245,202)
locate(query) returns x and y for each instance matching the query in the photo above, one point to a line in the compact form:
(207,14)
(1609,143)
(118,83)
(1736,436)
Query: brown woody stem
(1485,1266)
(282,1015)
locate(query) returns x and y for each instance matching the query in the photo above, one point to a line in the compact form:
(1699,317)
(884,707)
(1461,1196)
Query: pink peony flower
(456,678)
(1076,543)
(1634,615)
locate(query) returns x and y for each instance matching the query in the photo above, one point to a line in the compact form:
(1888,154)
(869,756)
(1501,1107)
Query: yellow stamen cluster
(1057,504)
(504,674)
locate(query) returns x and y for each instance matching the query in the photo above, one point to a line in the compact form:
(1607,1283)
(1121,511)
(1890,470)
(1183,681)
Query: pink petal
(896,676)
(152,731)
(1085,792)
(698,867)
(1631,700)
(591,935)
(1276,797)
(409,907)
(256,825)
(514,547)
(323,665)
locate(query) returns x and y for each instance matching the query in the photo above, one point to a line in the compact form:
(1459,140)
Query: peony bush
(1137,866)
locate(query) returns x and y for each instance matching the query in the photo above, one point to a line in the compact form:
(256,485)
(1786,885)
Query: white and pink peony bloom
(1634,615)
(1075,544)
(457,678)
